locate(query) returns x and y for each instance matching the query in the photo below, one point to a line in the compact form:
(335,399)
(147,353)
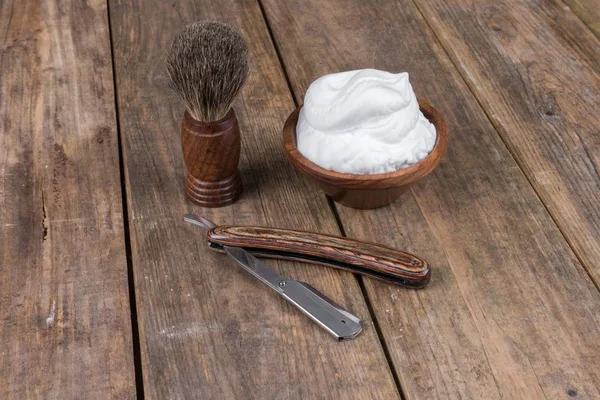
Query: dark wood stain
(211,152)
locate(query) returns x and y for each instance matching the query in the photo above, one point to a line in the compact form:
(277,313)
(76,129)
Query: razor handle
(365,258)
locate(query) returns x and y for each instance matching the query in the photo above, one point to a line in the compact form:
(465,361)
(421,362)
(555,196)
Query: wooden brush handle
(211,151)
(361,257)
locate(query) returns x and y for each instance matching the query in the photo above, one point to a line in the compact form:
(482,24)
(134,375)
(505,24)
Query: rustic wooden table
(105,292)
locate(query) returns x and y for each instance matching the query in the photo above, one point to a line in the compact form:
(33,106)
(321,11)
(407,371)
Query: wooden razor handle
(365,258)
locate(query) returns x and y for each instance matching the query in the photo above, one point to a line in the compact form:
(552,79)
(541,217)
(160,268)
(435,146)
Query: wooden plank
(510,312)
(535,69)
(64,310)
(588,11)
(209,330)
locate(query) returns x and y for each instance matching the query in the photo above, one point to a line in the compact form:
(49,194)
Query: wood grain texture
(208,329)
(510,313)
(362,257)
(211,152)
(367,191)
(536,71)
(588,11)
(64,309)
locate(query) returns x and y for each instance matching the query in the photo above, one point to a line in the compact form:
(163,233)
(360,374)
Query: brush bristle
(208,64)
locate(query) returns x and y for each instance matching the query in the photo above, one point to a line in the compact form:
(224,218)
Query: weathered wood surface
(588,11)
(536,71)
(510,312)
(64,310)
(209,330)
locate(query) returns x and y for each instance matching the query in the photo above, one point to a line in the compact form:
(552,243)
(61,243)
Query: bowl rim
(381,180)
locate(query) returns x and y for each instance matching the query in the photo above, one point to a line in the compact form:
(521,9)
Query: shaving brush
(208,64)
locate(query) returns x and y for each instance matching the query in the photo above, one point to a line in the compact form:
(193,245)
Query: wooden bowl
(367,191)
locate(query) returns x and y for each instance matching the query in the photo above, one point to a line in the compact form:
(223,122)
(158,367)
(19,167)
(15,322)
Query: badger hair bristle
(208,64)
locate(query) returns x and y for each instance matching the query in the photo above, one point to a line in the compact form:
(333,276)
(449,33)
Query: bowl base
(364,199)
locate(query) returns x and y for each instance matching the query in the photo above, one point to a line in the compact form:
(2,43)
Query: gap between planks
(338,220)
(135,333)
(477,98)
